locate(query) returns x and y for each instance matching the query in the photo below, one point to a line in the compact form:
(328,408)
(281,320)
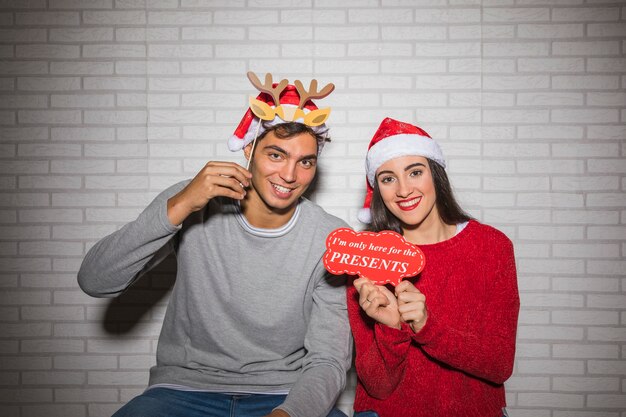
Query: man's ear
(247,150)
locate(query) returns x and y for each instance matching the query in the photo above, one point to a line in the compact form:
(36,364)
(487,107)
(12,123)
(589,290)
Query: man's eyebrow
(283,151)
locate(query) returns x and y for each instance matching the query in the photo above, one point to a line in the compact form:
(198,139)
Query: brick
(345,33)
(126,17)
(24,134)
(81,232)
(82,101)
(555,367)
(49,116)
(49,182)
(115,117)
(606,99)
(81,4)
(87,166)
(48,18)
(555,266)
(21,330)
(585,116)
(53,378)
(47,280)
(52,346)
(606,166)
(117,378)
(24,232)
(182,18)
(213,33)
(124,346)
(595,183)
(607,367)
(588,48)
(607,233)
(586,317)
(324,16)
(81,68)
(585,14)
(137,362)
(51,248)
(83,134)
(156,34)
(607,401)
(81,35)
(114,83)
(85,395)
(109,215)
(23,101)
(594,351)
(607,334)
(24,199)
(606,300)
(606,200)
(25,395)
(85,362)
(550,31)
(584,82)
(585,284)
(54,410)
(604,64)
(47,51)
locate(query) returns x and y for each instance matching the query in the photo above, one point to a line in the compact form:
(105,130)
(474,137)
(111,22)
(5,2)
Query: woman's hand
(411,305)
(378,302)
(215,179)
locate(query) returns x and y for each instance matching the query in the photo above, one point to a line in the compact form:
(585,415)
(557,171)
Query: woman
(441,343)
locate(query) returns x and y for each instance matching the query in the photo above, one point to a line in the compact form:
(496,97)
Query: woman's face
(407,188)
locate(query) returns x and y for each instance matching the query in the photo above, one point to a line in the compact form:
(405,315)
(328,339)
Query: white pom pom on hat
(394,139)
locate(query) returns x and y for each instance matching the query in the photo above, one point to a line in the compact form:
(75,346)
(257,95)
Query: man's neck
(258,214)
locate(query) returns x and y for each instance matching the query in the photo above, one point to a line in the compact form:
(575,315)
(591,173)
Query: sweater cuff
(164,220)
(428,333)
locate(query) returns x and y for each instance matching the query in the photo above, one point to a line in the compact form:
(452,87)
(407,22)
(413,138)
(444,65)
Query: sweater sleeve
(485,349)
(117,260)
(381,351)
(329,350)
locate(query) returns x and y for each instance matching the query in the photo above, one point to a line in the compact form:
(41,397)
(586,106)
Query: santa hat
(394,139)
(289,109)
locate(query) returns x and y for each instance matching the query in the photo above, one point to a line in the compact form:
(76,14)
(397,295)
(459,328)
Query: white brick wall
(103,103)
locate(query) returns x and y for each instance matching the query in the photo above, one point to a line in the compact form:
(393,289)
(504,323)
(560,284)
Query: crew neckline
(262,232)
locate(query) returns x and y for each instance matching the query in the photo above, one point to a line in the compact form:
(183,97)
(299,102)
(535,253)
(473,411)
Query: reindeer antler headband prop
(280,103)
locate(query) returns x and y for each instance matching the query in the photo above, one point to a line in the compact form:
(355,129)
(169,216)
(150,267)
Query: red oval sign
(384,257)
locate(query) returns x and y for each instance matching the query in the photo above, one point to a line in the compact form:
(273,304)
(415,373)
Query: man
(255,326)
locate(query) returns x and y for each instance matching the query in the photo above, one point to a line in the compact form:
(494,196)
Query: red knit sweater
(456,365)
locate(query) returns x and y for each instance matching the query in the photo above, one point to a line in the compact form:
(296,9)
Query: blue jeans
(164,402)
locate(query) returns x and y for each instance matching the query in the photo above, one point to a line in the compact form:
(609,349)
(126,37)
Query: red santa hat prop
(294,105)
(394,139)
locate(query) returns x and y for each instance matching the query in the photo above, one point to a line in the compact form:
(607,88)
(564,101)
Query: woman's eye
(386,180)
(416,173)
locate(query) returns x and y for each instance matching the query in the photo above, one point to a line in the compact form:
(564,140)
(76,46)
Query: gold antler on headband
(312,91)
(268,87)
(264,111)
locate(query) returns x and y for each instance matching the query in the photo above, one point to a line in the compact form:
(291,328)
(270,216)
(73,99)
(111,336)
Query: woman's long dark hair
(447,206)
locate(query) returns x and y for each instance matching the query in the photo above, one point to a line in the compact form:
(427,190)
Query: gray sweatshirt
(252,310)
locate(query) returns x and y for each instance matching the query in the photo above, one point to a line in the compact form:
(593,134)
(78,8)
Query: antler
(312,91)
(268,86)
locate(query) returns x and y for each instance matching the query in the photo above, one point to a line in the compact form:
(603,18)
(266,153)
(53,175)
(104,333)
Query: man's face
(282,170)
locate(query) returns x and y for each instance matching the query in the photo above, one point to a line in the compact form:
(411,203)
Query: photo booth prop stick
(384,257)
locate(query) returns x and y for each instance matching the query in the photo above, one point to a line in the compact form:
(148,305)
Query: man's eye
(274,155)
(307,163)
